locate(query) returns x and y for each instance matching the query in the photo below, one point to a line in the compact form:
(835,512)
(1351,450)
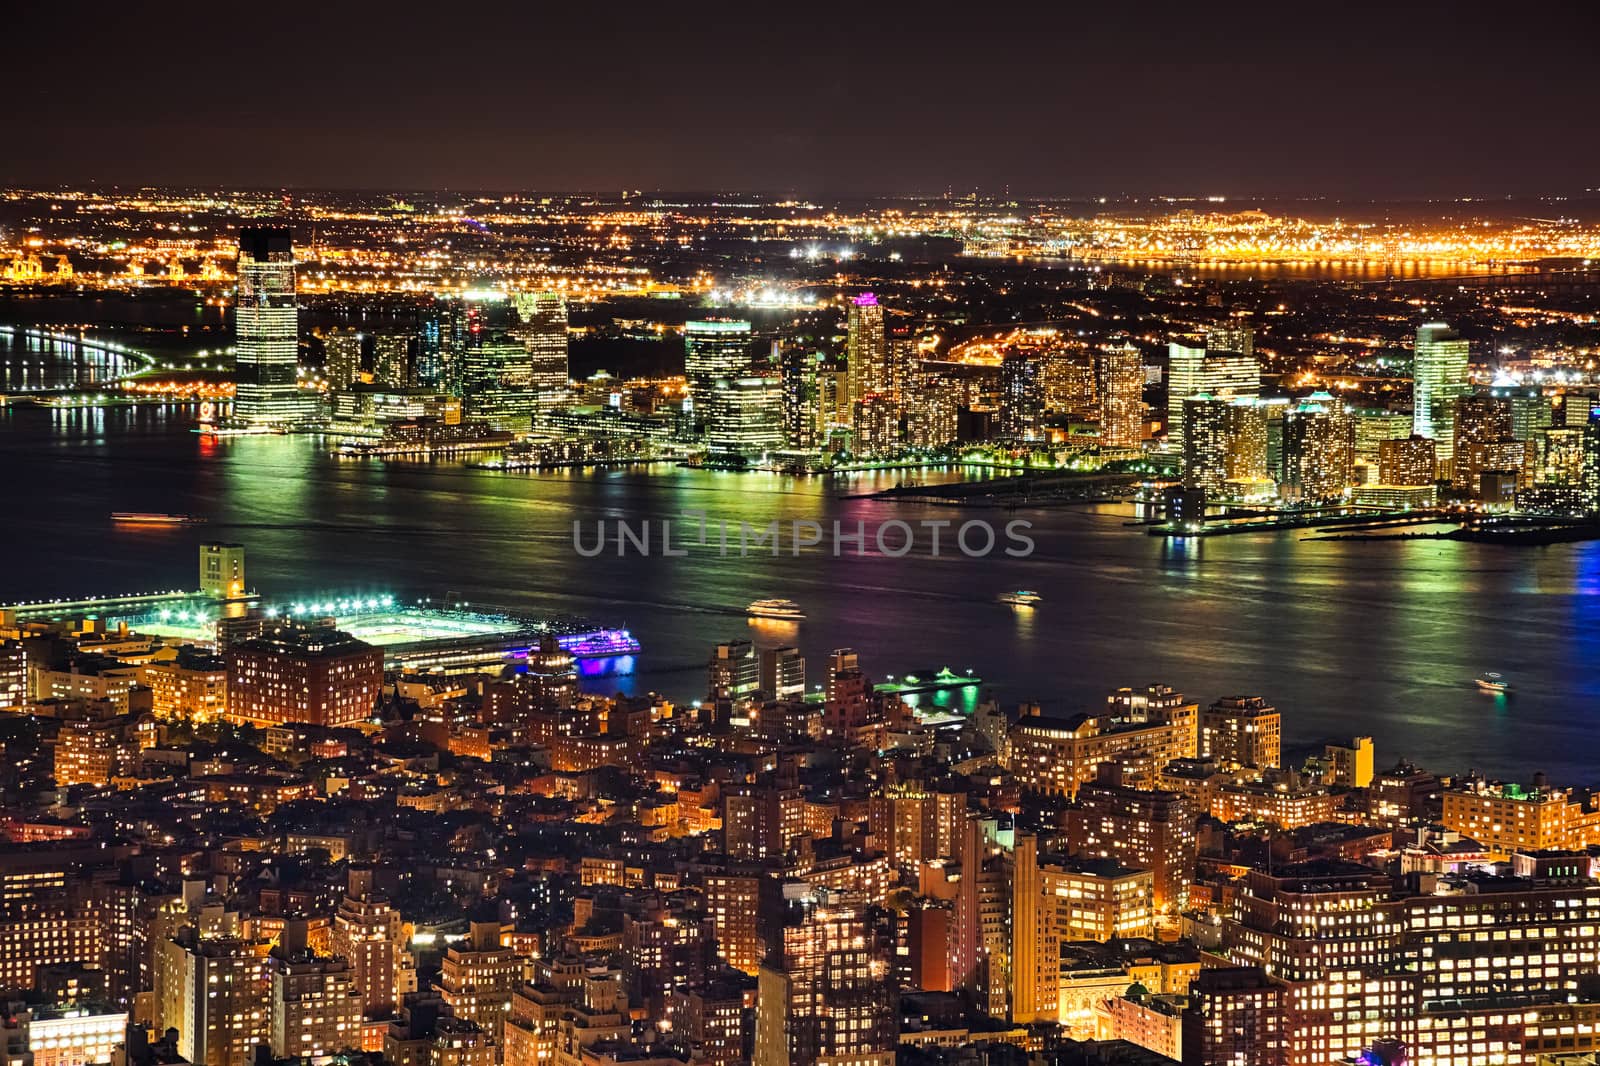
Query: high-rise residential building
(1406,461)
(369,933)
(1143,828)
(1481,422)
(298,674)
(222,571)
(1241,731)
(823,996)
(803,424)
(1246,460)
(1022,400)
(783,673)
(342,357)
(878,425)
(267,332)
(1205,442)
(477,976)
(1316,453)
(1098,899)
(216,992)
(745,416)
(1121,396)
(1141,730)
(1439,378)
(714,350)
(315,1007)
(544,330)
(867,348)
(1193,370)
(1238,1016)
(1590,498)
(933,414)
(1071,385)
(13,676)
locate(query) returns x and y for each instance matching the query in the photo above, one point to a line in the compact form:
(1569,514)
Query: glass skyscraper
(713,349)
(267,328)
(1439,376)
(544,329)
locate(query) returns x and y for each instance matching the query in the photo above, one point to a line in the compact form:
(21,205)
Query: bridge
(117,361)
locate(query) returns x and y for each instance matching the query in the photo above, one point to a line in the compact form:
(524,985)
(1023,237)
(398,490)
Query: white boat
(1021,598)
(787,609)
(1493,682)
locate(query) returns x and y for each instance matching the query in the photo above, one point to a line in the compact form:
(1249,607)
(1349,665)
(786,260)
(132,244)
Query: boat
(1021,598)
(147,518)
(786,609)
(1493,682)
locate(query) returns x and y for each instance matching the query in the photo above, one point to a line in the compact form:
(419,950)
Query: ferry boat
(1493,682)
(155,519)
(786,609)
(1022,598)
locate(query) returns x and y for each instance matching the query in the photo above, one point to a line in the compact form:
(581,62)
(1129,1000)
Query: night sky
(1073,99)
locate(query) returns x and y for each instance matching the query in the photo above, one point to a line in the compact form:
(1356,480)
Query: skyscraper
(267,328)
(1316,452)
(544,330)
(1439,376)
(824,995)
(1022,397)
(745,416)
(1205,442)
(1121,397)
(713,349)
(1408,461)
(1194,370)
(867,348)
(1480,423)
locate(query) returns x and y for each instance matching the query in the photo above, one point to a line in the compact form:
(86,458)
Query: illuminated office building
(714,350)
(1070,385)
(1191,371)
(13,676)
(267,332)
(745,416)
(1439,378)
(544,330)
(1121,396)
(1506,818)
(878,425)
(803,428)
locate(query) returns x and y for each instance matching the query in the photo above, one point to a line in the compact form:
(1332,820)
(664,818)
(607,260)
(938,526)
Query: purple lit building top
(866,299)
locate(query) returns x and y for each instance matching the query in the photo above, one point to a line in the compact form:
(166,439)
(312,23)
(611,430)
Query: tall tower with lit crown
(267,328)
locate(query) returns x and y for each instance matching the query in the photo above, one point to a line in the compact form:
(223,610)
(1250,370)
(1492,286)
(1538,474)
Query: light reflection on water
(1345,637)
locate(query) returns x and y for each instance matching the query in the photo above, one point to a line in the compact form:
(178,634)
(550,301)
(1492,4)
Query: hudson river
(1345,637)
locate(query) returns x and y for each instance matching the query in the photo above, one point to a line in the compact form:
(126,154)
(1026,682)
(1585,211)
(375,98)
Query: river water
(1345,637)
